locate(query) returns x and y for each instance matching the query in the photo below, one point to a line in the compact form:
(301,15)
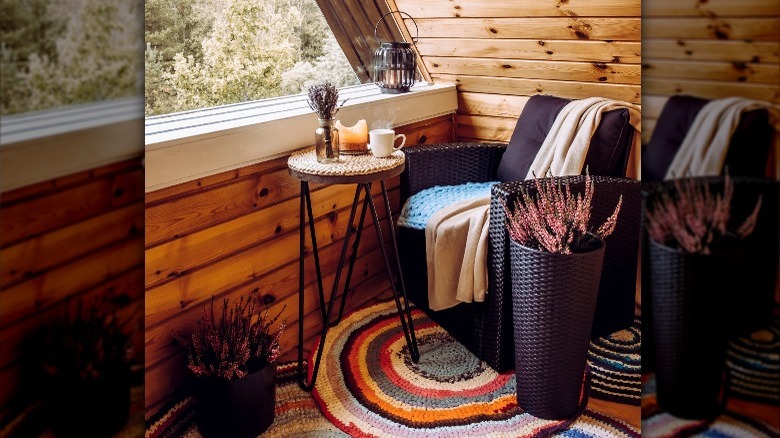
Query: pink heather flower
(554,219)
(694,219)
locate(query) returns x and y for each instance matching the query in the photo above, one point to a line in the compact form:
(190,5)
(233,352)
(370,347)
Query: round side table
(363,170)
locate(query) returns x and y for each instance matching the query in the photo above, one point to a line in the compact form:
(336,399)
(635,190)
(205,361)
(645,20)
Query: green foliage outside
(202,53)
(63,53)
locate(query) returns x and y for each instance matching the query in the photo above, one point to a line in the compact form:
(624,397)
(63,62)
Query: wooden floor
(629,414)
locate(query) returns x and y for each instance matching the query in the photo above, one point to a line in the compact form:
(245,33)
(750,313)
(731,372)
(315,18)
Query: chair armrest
(449,164)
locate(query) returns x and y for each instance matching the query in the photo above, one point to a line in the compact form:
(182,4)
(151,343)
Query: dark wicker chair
(487,328)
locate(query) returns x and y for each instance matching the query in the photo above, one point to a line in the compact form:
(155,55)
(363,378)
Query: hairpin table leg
(301,285)
(408,327)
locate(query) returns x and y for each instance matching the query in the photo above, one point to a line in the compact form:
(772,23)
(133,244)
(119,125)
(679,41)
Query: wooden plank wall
(710,49)
(237,232)
(503,51)
(71,238)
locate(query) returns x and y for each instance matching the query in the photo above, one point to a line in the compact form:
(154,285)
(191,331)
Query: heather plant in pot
(232,357)
(85,361)
(556,259)
(696,254)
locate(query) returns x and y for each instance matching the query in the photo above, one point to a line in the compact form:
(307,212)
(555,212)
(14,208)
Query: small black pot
(237,408)
(690,329)
(91,408)
(554,300)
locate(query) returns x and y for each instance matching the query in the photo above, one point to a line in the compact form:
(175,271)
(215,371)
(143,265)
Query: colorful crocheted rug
(656,423)
(616,365)
(368,385)
(753,362)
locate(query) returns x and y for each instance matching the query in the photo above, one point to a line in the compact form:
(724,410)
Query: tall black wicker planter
(238,408)
(689,294)
(554,300)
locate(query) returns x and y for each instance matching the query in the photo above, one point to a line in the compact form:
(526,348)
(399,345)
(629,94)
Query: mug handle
(403,142)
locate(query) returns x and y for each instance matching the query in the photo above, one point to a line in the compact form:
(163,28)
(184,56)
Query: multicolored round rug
(368,385)
(753,362)
(657,423)
(616,365)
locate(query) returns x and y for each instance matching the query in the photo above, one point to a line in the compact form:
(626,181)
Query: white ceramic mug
(382,142)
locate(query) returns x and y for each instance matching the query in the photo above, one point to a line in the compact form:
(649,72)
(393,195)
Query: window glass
(205,53)
(60,53)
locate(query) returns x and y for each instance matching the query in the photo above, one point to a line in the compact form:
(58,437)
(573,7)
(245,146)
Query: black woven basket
(690,295)
(554,300)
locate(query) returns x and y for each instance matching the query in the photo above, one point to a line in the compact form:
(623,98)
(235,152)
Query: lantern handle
(417,29)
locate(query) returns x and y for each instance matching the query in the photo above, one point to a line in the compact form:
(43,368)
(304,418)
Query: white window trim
(186,146)
(43,145)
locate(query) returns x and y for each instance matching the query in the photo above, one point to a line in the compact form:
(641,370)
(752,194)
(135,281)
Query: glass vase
(327,141)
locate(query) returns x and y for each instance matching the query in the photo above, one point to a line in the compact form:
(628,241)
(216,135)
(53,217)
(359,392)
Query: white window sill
(43,145)
(185,146)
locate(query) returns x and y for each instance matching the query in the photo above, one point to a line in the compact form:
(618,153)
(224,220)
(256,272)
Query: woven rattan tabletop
(351,169)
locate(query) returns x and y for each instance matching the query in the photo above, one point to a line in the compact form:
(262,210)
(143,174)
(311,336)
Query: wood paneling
(532,69)
(711,49)
(237,232)
(714,71)
(580,28)
(722,28)
(711,89)
(524,87)
(63,241)
(485,127)
(539,49)
(523,8)
(484,104)
(710,8)
(501,52)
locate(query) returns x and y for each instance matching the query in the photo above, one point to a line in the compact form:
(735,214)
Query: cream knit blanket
(456,253)
(566,145)
(704,148)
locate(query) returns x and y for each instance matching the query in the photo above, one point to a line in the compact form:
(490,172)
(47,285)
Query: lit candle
(353,138)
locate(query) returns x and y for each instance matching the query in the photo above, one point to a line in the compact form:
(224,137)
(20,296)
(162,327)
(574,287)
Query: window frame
(43,145)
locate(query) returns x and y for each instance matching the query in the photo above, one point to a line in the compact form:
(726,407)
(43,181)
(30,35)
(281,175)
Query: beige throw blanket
(703,151)
(456,253)
(566,145)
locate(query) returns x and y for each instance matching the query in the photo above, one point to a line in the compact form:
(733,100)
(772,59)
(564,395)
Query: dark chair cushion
(673,123)
(607,153)
(750,145)
(610,145)
(532,127)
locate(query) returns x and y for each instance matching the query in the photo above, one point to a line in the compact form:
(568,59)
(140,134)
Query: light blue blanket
(422,205)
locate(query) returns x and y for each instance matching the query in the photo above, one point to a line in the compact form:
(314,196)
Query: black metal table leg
(352,259)
(415,353)
(314,249)
(326,318)
(411,340)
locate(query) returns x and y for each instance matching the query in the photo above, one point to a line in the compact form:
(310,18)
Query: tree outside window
(204,53)
(59,53)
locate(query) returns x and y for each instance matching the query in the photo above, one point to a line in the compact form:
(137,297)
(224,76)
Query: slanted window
(206,53)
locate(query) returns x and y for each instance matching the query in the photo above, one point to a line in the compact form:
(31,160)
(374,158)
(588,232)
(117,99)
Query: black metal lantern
(395,63)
